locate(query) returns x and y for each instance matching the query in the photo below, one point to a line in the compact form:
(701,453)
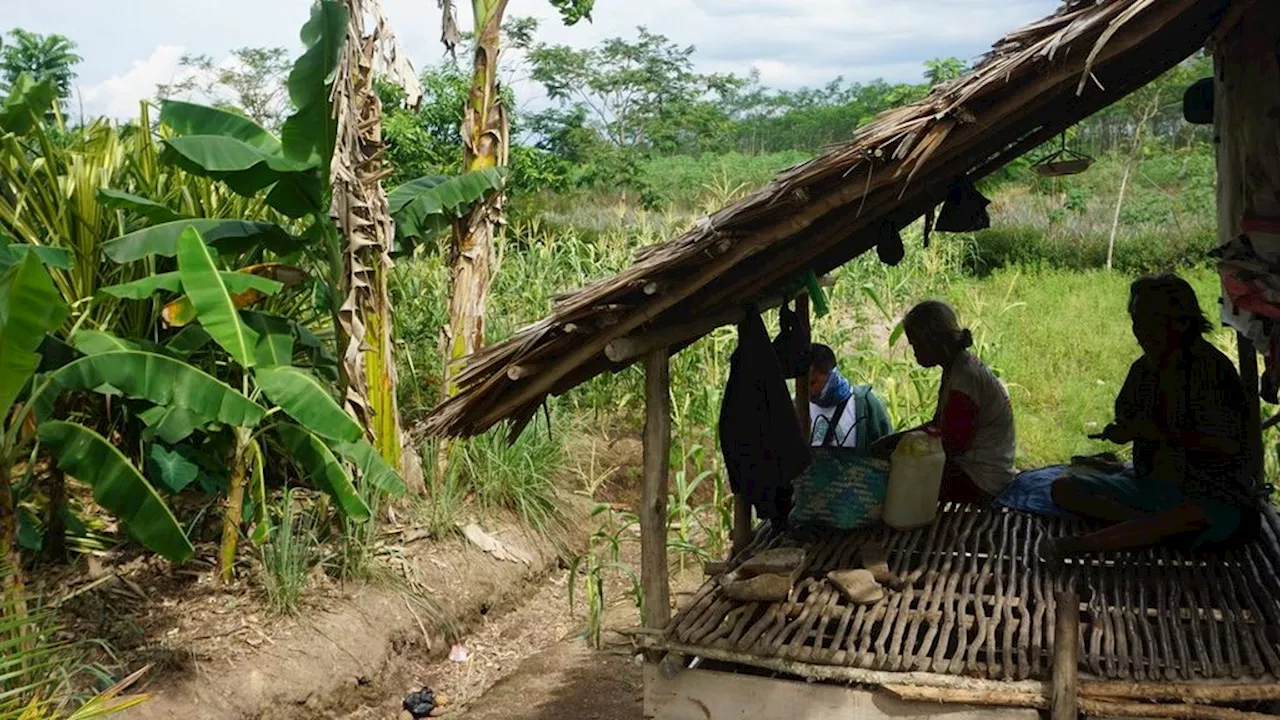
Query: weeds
(289,555)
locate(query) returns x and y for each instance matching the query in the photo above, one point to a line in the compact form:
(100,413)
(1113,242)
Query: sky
(129,46)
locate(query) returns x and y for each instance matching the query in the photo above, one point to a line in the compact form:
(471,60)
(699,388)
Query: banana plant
(320,437)
(31,307)
(292,174)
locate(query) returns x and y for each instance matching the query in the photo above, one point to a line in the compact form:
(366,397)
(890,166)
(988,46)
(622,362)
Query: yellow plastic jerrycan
(915,479)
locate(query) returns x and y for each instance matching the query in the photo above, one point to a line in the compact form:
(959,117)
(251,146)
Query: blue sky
(131,45)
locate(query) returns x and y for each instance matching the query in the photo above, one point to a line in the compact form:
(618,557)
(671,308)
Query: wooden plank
(742,529)
(1064,693)
(711,695)
(653,503)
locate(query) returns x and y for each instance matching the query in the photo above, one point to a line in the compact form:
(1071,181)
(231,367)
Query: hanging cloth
(965,209)
(760,438)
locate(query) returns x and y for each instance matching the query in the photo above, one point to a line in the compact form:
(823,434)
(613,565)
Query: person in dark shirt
(1184,409)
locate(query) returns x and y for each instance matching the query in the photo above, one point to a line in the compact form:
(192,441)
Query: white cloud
(118,96)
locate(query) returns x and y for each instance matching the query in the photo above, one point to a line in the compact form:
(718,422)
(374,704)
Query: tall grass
(290,554)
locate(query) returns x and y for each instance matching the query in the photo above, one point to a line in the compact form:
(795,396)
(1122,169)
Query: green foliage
(515,477)
(29,308)
(43,57)
(325,471)
(425,206)
(118,487)
(253,82)
(291,553)
(28,100)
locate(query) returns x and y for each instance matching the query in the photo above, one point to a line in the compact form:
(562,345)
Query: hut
(979,621)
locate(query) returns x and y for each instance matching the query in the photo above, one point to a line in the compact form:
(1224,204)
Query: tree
(42,56)
(640,95)
(940,70)
(251,81)
(485,144)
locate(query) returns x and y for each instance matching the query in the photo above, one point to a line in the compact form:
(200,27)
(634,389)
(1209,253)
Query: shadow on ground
(566,682)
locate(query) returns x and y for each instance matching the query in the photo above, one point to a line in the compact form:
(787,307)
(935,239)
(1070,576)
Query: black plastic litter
(889,245)
(1197,102)
(420,703)
(965,209)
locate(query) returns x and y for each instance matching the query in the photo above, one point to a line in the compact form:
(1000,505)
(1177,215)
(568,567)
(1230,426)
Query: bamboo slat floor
(978,603)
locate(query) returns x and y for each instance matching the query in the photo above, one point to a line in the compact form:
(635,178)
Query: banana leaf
(425,205)
(236,282)
(247,170)
(228,237)
(213,303)
(95,342)
(26,103)
(373,469)
(140,206)
(12,253)
(274,350)
(305,399)
(161,380)
(310,133)
(117,486)
(30,306)
(186,118)
(171,424)
(324,469)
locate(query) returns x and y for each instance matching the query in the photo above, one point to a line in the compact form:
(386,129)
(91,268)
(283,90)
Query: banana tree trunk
(485,143)
(361,213)
(233,513)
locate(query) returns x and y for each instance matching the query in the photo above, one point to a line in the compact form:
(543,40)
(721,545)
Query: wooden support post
(1249,377)
(1064,701)
(742,529)
(802,382)
(1247,134)
(653,503)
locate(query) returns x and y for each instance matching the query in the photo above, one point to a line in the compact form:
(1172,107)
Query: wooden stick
(1065,689)
(1098,708)
(653,506)
(1198,692)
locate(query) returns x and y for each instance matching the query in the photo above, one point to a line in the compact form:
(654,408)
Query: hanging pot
(1197,102)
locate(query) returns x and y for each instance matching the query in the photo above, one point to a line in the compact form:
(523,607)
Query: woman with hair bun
(974,417)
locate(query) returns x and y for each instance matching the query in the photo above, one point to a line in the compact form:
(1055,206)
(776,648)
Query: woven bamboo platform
(977,603)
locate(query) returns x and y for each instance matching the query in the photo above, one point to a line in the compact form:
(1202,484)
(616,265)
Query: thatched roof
(1034,84)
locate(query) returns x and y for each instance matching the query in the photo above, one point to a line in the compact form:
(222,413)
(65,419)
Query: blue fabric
(1156,496)
(836,391)
(1032,491)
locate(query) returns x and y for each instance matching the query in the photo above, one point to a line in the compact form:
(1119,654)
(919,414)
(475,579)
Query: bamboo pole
(653,504)
(1064,692)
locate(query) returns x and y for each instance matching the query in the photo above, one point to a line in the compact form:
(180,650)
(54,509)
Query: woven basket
(842,490)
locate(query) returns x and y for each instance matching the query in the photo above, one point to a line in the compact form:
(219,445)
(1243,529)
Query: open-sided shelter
(980,620)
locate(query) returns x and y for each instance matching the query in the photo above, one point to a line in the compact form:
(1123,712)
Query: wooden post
(1064,702)
(1247,134)
(742,529)
(1249,377)
(653,502)
(802,382)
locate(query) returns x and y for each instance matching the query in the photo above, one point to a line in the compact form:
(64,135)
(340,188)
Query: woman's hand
(1131,430)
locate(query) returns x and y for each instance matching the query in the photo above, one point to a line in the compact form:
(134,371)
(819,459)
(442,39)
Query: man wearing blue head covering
(842,414)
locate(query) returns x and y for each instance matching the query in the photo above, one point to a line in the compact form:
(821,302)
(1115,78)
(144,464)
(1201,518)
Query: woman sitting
(1183,407)
(973,417)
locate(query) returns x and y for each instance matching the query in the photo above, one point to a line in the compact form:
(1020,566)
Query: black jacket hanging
(965,209)
(760,438)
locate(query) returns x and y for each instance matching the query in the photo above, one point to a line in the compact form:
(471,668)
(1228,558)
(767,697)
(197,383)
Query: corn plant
(602,560)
